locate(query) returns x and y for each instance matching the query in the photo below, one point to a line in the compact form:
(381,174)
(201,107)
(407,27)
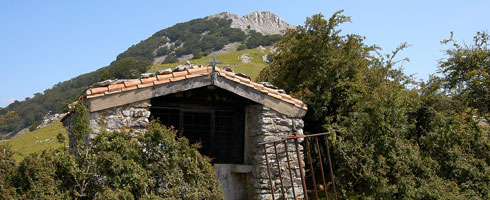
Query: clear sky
(46,42)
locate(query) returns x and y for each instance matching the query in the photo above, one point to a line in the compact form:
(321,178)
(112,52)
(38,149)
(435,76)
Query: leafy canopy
(466,71)
(392,140)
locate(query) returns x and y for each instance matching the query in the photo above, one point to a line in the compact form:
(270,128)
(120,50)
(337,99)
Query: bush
(154,165)
(170,59)
(241,47)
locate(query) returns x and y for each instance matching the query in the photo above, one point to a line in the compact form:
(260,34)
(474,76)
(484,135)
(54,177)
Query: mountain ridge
(264,22)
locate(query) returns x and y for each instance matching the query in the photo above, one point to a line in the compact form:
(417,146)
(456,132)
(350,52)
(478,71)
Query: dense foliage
(258,39)
(119,165)
(203,35)
(394,138)
(467,72)
(126,68)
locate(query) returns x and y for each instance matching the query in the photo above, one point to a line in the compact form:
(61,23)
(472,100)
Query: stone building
(225,111)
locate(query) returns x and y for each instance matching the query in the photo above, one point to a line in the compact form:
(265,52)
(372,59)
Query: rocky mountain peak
(263,22)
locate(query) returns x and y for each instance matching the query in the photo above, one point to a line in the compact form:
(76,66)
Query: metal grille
(316,147)
(220,132)
(197,128)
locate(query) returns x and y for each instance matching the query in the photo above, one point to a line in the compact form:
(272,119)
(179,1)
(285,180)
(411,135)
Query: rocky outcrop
(263,22)
(50,118)
(22,132)
(245,58)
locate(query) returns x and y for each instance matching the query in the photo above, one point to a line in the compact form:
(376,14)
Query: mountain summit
(263,22)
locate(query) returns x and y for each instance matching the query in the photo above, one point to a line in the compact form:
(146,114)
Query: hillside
(193,40)
(38,140)
(237,60)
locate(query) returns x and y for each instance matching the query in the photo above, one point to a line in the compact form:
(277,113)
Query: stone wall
(264,124)
(132,117)
(124,118)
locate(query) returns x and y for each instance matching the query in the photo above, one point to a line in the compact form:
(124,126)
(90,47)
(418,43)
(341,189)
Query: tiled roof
(110,87)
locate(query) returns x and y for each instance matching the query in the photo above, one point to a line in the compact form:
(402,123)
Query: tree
(323,68)
(391,140)
(126,68)
(7,119)
(466,71)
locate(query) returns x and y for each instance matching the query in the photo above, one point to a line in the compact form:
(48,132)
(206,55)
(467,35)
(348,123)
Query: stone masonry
(264,124)
(132,117)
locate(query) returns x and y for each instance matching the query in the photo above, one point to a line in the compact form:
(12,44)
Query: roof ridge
(109,87)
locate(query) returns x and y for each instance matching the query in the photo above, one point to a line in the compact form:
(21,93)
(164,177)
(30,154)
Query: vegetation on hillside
(31,111)
(197,37)
(231,60)
(394,138)
(154,165)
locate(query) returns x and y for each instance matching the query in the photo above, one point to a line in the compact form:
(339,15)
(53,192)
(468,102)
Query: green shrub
(117,165)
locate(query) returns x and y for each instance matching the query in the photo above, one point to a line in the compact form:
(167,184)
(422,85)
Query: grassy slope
(38,140)
(231,60)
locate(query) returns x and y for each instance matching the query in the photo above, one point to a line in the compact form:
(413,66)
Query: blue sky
(46,42)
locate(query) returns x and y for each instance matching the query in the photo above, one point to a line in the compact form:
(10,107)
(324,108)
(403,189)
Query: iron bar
(311,167)
(321,167)
(300,160)
(289,168)
(294,136)
(269,172)
(279,168)
(331,168)
(301,170)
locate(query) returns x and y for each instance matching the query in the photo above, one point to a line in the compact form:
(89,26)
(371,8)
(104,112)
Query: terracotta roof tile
(130,88)
(166,76)
(193,75)
(275,96)
(177,78)
(161,82)
(149,79)
(230,74)
(288,100)
(244,80)
(230,77)
(95,95)
(131,82)
(197,70)
(296,101)
(143,85)
(99,89)
(128,85)
(113,91)
(116,86)
(182,73)
(272,91)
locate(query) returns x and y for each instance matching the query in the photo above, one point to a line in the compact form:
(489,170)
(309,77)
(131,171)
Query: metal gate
(321,150)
